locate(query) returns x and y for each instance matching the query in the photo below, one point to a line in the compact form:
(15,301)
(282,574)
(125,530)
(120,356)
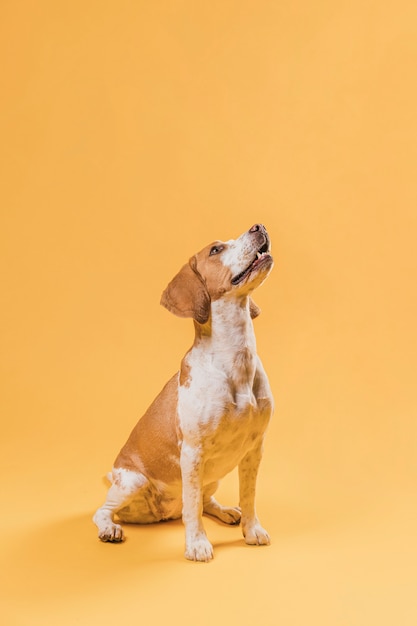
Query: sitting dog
(211,416)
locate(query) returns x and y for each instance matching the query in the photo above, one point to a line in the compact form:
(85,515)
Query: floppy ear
(186,294)
(254,309)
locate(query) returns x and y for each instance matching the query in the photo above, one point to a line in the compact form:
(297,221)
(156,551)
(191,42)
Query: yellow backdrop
(133,134)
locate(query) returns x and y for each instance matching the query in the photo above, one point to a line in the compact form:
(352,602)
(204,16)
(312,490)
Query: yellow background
(133,134)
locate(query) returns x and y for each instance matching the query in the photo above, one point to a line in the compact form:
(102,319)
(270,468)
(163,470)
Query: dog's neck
(228,337)
(229,324)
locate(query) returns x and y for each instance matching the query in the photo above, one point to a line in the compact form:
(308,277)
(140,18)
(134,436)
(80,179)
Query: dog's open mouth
(262,256)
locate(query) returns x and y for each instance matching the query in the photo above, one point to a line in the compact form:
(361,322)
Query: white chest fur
(224,404)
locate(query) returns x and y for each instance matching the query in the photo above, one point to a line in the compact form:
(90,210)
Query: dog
(211,416)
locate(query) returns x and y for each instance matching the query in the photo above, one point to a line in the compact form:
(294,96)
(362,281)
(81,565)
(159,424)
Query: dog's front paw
(255,535)
(200,549)
(113,533)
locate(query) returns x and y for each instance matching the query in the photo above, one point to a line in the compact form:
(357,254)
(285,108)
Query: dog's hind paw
(226,514)
(230,515)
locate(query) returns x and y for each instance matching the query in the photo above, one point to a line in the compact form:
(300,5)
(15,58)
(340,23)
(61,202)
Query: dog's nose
(257,227)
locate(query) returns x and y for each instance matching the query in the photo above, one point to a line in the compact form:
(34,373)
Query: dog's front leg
(248,471)
(197,545)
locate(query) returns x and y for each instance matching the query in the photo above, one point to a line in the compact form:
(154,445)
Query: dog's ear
(254,309)
(186,294)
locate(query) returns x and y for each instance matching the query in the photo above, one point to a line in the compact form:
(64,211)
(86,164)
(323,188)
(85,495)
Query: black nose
(257,227)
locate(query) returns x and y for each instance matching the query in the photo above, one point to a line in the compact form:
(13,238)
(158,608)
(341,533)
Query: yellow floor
(133,134)
(326,566)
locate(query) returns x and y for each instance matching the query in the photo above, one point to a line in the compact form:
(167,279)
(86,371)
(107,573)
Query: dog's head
(223,269)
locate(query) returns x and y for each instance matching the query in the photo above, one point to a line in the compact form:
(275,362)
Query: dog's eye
(216,250)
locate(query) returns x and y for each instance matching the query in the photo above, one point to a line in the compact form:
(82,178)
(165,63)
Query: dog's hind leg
(125,484)
(228,515)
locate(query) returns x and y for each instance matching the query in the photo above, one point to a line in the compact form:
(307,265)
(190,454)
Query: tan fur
(155,431)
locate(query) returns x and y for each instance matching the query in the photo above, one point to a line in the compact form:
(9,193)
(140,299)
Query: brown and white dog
(211,416)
